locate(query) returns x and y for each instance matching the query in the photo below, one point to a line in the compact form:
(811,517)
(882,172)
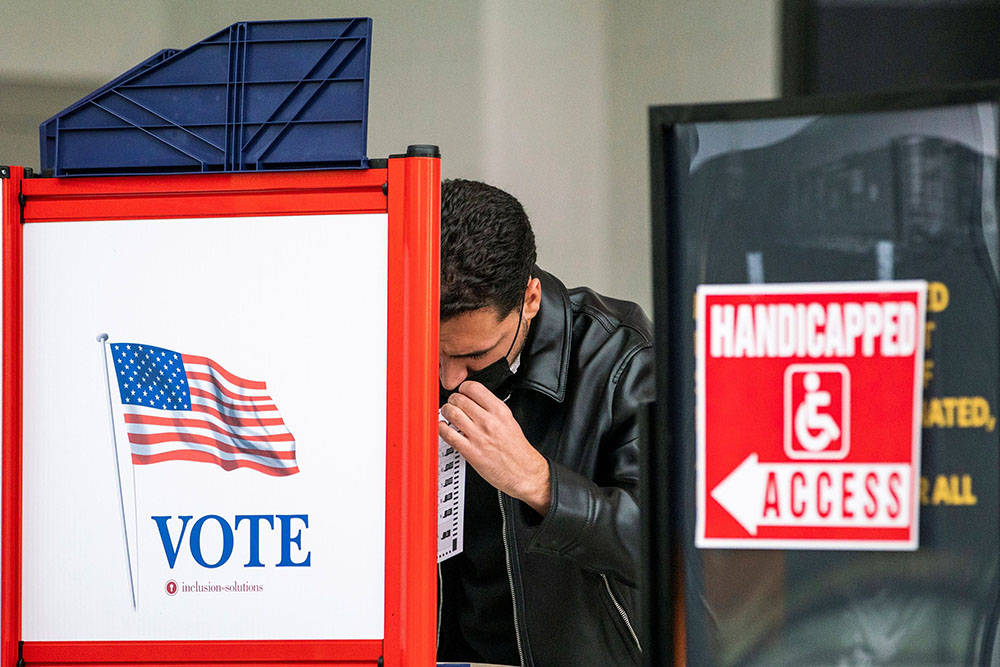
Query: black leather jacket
(586,368)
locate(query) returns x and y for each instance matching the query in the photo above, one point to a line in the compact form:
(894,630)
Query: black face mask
(496,377)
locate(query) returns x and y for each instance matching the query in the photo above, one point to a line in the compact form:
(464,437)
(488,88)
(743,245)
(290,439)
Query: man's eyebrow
(477,353)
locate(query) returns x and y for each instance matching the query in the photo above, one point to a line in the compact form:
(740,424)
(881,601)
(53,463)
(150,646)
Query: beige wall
(680,52)
(547,99)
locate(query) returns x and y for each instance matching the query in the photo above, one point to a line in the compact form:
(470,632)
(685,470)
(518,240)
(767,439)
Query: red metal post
(10,595)
(411,463)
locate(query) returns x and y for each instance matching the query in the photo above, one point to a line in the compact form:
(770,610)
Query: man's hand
(492,442)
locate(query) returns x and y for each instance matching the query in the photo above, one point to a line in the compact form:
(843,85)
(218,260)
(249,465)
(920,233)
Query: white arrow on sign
(822,494)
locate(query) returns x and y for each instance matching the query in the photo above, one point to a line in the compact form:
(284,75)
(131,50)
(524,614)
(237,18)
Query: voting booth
(822,483)
(219,367)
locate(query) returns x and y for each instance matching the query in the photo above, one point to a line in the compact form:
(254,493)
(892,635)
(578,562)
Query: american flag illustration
(182,407)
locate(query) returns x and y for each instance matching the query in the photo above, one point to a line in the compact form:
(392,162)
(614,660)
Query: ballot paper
(451,500)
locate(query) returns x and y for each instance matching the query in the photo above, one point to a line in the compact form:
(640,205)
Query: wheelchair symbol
(817,411)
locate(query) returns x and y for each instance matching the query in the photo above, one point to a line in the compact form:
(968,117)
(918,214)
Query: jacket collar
(545,357)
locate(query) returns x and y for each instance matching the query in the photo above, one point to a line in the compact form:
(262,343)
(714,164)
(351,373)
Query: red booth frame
(408,190)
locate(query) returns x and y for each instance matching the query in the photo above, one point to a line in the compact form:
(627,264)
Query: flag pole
(103,340)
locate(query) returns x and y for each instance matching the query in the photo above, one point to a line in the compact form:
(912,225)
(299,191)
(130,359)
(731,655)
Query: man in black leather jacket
(549,572)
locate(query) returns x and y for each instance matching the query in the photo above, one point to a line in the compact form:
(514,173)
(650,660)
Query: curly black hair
(487,249)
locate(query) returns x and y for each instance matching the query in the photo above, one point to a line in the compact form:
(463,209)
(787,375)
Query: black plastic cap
(4,172)
(423,150)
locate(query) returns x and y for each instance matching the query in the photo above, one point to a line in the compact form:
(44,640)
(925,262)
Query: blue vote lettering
(287,540)
(289,534)
(169,549)
(195,541)
(254,520)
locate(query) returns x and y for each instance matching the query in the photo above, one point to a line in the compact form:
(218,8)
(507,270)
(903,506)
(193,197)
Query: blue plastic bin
(259,95)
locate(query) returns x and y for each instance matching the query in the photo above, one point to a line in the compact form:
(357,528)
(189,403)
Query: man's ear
(532,298)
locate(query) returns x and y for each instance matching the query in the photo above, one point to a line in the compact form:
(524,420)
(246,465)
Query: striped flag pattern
(181,407)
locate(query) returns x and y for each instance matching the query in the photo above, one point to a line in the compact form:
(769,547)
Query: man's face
(475,339)
(472,341)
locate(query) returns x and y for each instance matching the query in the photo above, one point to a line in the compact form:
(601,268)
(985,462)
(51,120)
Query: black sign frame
(665,536)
